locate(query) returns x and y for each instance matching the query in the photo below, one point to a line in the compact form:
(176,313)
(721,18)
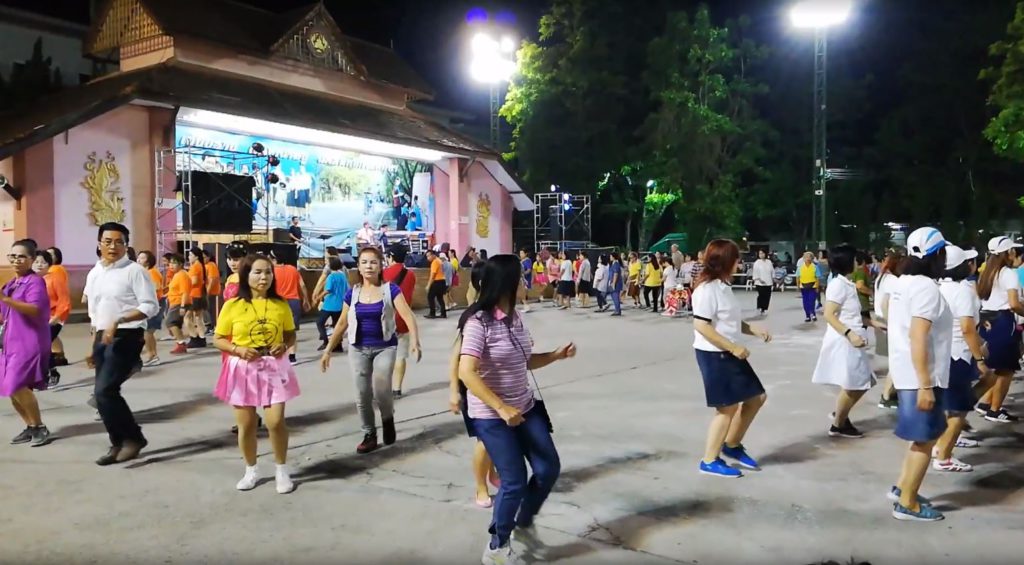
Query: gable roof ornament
(315,39)
(123,22)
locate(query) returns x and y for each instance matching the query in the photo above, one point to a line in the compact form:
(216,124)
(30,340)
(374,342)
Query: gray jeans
(371,370)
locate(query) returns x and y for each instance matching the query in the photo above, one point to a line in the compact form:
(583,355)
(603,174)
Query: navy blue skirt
(727,380)
(959,396)
(1000,332)
(918,426)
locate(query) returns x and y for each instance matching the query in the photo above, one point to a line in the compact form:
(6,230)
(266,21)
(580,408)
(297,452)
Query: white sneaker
(154,362)
(284,480)
(966,442)
(952,465)
(501,556)
(249,479)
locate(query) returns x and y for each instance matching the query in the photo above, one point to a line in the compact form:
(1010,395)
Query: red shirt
(408,284)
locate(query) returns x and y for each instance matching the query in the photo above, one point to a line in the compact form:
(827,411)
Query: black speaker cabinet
(221,202)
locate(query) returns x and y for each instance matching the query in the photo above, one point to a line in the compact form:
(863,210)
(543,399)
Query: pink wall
(124,133)
(441,213)
(499,240)
(456,200)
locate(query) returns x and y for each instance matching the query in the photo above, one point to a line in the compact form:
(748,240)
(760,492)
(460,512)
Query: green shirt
(857,276)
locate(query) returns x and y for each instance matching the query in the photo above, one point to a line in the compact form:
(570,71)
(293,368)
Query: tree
(704,138)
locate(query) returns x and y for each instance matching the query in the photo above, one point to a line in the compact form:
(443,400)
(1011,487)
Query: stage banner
(331,191)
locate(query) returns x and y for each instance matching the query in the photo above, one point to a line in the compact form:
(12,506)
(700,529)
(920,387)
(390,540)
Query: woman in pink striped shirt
(497,352)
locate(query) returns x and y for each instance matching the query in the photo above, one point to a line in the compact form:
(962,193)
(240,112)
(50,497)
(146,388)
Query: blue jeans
(616,296)
(510,448)
(809,296)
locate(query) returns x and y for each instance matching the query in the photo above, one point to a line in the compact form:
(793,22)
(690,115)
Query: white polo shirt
(963,302)
(917,296)
(714,302)
(883,287)
(843,292)
(1004,282)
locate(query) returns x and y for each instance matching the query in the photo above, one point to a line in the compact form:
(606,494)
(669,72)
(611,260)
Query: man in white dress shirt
(121,298)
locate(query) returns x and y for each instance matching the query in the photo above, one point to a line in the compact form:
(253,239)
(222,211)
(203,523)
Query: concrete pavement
(629,419)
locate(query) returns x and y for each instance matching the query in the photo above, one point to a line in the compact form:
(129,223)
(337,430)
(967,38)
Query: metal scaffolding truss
(181,162)
(561,220)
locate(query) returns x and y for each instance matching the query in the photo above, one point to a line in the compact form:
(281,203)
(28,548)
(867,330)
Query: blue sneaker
(895,493)
(739,455)
(926,514)
(719,468)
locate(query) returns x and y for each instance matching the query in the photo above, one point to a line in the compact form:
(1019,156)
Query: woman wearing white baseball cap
(920,339)
(843,360)
(967,358)
(999,288)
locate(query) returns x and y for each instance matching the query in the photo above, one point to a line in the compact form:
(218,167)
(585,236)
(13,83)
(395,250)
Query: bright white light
(553,187)
(492,62)
(820,13)
(306,136)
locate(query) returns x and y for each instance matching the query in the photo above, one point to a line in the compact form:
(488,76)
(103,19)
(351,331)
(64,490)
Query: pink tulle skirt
(265,381)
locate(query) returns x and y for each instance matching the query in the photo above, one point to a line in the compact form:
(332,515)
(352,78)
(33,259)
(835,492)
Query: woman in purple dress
(25,359)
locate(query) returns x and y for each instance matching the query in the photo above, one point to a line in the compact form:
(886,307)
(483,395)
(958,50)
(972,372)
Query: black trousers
(321,322)
(114,364)
(648,291)
(435,298)
(764,297)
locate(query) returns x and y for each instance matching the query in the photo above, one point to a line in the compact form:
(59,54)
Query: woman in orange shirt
(60,280)
(195,328)
(179,296)
(212,292)
(60,304)
(148,262)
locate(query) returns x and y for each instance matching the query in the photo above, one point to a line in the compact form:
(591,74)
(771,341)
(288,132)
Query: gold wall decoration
(101,182)
(483,215)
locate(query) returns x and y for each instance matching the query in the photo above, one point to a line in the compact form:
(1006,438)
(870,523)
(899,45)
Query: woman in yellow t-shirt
(807,275)
(633,283)
(652,284)
(256,329)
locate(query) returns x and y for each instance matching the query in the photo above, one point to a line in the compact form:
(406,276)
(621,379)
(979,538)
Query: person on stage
(731,386)
(255,330)
(25,312)
(121,299)
(843,360)
(920,341)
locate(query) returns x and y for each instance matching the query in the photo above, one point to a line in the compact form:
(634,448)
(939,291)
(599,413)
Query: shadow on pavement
(347,465)
(153,415)
(630,531)
(815,446)
(571,479)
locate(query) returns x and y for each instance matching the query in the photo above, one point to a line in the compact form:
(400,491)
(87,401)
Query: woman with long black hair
(999,289)
(494,361)
(920,340)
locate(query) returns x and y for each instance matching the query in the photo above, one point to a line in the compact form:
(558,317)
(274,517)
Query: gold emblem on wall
(101,182)
(319,45)
(483,215)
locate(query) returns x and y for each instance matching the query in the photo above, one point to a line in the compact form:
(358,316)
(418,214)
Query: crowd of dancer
(950,333)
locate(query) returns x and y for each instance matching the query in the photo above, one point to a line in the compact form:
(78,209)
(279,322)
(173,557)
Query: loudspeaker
(221,203)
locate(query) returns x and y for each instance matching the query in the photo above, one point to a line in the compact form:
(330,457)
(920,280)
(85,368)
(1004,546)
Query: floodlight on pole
(820,15)
(493,63)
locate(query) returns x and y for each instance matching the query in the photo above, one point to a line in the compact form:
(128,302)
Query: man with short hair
(405,280)
(437,287)
(121,299)
(295,232)
(677,257)
(289,284)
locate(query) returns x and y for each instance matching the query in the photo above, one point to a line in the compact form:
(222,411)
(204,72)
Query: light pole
(820,15)
(493,64)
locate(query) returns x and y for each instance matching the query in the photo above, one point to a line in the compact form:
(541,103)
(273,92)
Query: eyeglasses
(12,258)
(112,242)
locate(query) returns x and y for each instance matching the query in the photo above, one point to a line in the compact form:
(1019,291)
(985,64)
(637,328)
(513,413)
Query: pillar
(458,206)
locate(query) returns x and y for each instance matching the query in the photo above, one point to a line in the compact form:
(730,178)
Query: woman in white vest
(920,339)
(999,289)
(369,316)
(967,356)
(843,360)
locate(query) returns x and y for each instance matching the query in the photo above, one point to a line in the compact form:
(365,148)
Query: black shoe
(53,379)
(444,316)
(389,431)
(322,347)
(368,444)
(40,436)
(1001,417)
(396,393)
(24,437)
(196,343)
(847,431)
(110,458)
(130,450)
(807,320)
(291,358)
(60,361)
